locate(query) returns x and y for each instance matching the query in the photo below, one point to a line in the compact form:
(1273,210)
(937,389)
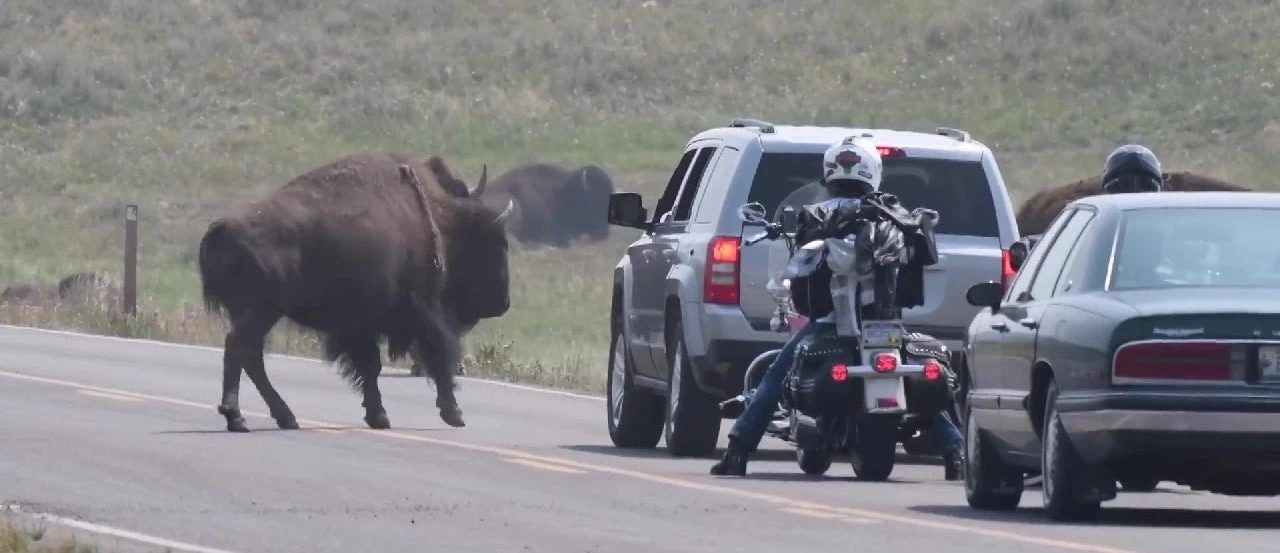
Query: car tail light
(840,372)
(721,279)
(1174,361)
(1007,273)
(886,363)
(890,151)
(932,370)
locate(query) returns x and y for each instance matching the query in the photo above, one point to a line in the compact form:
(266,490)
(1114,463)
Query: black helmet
(1132,168)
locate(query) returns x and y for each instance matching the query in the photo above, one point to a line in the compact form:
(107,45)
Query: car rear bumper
(1106,426)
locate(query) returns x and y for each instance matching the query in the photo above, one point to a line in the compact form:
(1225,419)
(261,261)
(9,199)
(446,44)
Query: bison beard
(357,250)
(1040,209)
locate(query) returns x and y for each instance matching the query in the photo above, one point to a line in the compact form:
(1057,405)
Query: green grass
(189,108)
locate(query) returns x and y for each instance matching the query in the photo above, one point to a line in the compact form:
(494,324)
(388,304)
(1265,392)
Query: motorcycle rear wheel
(874,447)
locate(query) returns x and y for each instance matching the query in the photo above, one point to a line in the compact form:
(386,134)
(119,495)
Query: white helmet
(855,160)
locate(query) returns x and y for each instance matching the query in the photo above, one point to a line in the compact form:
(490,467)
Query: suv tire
(692,415)
(635,415)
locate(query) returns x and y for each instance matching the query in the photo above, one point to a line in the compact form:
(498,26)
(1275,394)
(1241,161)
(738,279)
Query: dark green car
(1138,343)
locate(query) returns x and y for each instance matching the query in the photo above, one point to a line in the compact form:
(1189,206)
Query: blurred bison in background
(90,288)
(1039,210)
(366,247)
(21,293)
(554,205)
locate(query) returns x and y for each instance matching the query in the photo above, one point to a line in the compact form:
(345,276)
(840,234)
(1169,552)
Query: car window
(1197,246)
(717,185)
(1055,255)
(1022,280)
(684,202)
(957,190)
(673,186)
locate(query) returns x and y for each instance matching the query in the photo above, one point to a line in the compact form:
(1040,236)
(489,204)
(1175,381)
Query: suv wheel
(693,416)
(635,415)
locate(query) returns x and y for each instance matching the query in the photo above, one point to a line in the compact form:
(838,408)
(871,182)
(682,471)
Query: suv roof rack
(957,134)
(765,127)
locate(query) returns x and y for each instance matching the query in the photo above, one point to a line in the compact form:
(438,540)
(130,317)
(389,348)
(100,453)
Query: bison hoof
(378,421)
(237,425)
(452,417)
(287,423)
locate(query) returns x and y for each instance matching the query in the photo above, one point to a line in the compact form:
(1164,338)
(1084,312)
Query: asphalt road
(120,439)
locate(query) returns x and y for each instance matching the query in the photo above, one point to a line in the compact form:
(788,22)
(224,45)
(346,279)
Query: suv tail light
(1174,361)
(720,285)
(1006,273)
(890,151)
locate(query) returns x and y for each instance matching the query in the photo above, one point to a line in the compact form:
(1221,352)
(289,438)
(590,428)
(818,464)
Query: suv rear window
(957,190)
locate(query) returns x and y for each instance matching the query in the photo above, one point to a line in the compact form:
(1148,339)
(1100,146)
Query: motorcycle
(871,384)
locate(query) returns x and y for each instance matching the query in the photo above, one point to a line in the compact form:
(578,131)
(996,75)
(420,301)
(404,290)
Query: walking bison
(366,247)
(1039,210)
(555,204)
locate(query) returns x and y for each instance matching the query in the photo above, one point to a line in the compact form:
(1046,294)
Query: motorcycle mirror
(789,219)
(752,213)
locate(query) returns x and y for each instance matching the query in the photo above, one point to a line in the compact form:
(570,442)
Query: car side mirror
(789,220)
(985,294)
(626,209)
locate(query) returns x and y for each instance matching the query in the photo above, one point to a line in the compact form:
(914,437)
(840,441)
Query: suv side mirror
(985,294)
(626,209)
(789,220)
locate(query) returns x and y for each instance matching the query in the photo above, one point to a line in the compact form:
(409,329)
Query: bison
(1039,210)
(21,293)
(366,247)
(91,288)
(555,204)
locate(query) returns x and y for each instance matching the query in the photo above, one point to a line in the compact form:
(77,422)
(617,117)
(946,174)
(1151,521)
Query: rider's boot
(953,465)
(734,462)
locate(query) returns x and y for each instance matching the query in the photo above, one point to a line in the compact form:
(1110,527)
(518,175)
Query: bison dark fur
(1040,209)
(366,247)
(555,205)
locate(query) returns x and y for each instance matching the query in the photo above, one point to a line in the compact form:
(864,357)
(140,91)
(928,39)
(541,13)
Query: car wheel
(813,461)
(989,483)
(874,452)
(635,415)
(1061,468)
(692,415)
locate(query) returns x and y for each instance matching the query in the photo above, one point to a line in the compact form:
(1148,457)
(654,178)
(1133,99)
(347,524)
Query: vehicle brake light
(890,151)
(840,372)
(1174,361)
(932,370)
(886,363)
(886,403)
(721,279)
(1007,273)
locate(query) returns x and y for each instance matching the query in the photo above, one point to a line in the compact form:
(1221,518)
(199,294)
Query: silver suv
(690,309)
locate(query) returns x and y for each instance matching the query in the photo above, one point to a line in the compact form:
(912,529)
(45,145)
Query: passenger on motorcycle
(812,298)
(1129,168)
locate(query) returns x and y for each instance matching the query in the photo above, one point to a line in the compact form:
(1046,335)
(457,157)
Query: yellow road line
(827,514)
(105,395)
(968,528)
(544,466)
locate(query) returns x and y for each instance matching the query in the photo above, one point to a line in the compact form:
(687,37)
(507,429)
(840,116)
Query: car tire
(874,452)
(692,424)
(813,461)
(1061,468)
(989,483)
(635,416)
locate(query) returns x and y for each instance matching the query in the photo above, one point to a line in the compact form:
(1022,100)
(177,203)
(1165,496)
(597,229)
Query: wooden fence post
(131,259)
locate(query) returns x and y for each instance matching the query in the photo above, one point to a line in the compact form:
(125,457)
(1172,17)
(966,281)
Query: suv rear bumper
(721,368)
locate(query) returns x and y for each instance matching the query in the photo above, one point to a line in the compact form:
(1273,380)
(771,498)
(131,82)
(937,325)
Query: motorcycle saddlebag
(813,389)
(923,395)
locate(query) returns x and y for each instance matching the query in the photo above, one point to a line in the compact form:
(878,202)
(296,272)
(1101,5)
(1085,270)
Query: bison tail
(226,268)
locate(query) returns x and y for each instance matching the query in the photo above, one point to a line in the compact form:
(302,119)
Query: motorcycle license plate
(882,335)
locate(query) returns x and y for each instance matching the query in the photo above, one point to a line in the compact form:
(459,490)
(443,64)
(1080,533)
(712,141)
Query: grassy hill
(186,108)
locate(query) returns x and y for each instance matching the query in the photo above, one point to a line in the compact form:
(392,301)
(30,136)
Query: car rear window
(957,190)
(1197,246)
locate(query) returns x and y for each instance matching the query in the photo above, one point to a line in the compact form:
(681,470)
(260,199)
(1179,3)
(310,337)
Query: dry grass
(15,539)
(186,108)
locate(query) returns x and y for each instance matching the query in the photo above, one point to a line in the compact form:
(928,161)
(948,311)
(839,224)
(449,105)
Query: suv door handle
(1000,326)
(648,256)
(670,255)
(1028,322)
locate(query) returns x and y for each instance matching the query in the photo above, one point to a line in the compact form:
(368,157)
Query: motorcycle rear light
(840,373)
(886,403)
(932,370)
(721,279)
(886,363)
(1174,361)
(1006,273)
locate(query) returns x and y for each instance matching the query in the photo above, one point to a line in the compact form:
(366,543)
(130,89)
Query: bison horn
(502,217)
(585,184)
(484,177)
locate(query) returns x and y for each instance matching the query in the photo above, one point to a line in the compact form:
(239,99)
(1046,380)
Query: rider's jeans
(749,428)
(946,435)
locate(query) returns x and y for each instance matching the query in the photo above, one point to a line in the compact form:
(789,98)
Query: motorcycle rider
(851,169)
(1127,169)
